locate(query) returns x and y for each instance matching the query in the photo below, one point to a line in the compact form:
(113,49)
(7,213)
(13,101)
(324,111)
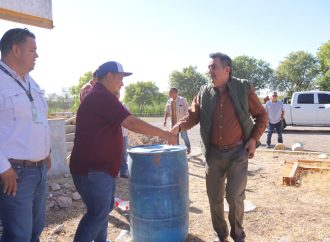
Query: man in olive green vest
(232,120)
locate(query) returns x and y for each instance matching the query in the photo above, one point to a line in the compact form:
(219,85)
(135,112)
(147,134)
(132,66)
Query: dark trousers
(279,127)
(233,165)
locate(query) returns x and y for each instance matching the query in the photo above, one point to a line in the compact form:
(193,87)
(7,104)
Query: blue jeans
(123,165)
(184,136)
(23,215)
(97,192)
(279,127)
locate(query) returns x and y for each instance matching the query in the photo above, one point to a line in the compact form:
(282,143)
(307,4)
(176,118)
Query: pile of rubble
(135,139)
(61,195)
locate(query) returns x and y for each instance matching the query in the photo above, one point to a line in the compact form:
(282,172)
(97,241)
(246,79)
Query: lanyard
(27,91)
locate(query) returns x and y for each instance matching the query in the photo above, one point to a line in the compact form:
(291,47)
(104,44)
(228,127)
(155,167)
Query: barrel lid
(147,149)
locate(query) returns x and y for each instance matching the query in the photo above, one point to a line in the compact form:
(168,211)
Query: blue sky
(153,38)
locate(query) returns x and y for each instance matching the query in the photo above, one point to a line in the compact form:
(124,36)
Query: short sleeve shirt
(98,140)
(274,111)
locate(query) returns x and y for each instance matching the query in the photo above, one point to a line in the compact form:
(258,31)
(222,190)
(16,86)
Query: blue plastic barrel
(158,193)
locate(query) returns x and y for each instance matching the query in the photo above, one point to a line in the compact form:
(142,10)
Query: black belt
(26,163)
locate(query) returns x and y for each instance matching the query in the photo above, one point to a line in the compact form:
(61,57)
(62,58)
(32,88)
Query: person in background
(85,89)
(229,137)
(24,140)
(266,99)
(275,112)
(176,108)
(97,151)
(123,166)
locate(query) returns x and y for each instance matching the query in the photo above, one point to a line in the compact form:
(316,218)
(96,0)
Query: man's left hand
(175,129)
(48,161)
(250,147)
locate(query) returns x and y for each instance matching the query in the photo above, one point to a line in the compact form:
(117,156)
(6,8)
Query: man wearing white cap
(97,150)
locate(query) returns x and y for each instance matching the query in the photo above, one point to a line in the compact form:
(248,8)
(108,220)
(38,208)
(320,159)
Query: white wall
(58,147)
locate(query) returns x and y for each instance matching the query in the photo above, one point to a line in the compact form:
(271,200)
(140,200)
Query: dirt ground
(283,213)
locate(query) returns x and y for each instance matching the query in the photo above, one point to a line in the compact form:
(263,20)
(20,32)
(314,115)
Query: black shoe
(188,151)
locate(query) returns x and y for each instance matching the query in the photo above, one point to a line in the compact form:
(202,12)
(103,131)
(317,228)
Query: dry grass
(295,213)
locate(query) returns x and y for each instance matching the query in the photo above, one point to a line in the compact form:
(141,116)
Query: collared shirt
(181,108)
(224,119)
(229,131)
(98,142)
(274,111)
(85,90)
(20,136)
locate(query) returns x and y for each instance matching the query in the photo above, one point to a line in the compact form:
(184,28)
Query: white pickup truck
(310,108)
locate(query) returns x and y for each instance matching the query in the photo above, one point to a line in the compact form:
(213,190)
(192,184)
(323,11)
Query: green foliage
(59,103)
(298,72)
(156,109)
(257,71)
(75,90)
(323,56)
(188,82)
(140,95)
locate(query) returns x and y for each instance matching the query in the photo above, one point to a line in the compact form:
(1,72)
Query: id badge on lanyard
(36,114)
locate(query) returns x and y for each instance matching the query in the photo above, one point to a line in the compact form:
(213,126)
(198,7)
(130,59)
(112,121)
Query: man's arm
(282,114)
(139,126)
(165,118)
(167,111)
(191,119)
(259,114)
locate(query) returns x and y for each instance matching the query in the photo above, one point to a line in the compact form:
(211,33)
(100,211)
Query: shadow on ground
(193,238)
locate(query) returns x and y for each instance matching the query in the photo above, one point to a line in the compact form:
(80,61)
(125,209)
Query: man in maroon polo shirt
(97,150)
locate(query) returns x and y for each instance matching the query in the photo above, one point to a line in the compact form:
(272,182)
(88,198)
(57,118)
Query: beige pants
(233,165)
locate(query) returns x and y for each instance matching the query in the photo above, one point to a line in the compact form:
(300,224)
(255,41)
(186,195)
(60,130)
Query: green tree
(298,72)
(59,103)
(323,55)
(142,94)
(257,71)
(188,82)
(75,90)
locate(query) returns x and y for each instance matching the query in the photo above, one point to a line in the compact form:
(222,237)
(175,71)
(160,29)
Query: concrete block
(70,129)
(70,137)
(58,147)
(69,146)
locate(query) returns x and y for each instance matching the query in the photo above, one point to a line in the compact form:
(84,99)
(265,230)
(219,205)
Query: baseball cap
(113,67)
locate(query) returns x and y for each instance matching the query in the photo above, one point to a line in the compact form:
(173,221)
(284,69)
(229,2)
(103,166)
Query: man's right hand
(9,181)
(164,123)
(170,137)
